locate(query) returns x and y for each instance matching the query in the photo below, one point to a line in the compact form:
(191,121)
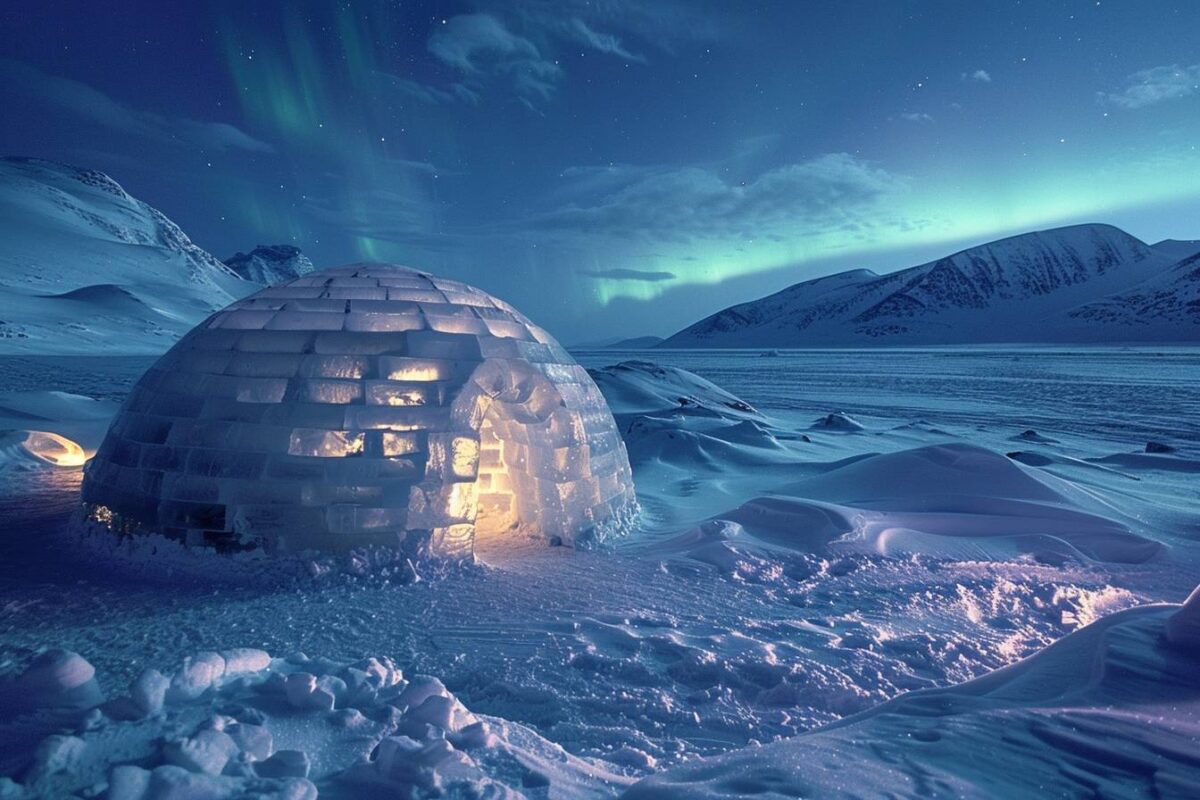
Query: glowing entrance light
(54,449)
(450,418)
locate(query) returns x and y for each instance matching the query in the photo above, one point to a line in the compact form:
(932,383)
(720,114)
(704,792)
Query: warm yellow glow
(464,457)
(54,449)
(406,397)
(398,444)
(417,371)
(325,444)
(496,509)
(462,503)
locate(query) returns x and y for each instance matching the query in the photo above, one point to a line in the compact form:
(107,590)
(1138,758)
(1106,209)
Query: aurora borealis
(620,168)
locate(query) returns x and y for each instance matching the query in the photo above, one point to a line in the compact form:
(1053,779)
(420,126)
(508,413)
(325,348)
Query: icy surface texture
(366,405)
(1111,710)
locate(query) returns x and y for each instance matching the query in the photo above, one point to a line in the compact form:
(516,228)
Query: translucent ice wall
(345,408)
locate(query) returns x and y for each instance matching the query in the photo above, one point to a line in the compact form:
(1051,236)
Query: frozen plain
(864,524)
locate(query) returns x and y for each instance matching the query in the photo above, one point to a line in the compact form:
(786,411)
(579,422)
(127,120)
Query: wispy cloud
(979,76)
(603,42)
(1148,87)
(694,203)
(92,105)
(480,45)
(627,275)
(915,116)
(516,42)
(430,95)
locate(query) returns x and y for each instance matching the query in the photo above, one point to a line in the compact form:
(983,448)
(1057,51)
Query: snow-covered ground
(821,532)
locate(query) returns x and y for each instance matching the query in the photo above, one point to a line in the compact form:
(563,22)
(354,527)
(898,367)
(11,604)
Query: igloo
(369,404)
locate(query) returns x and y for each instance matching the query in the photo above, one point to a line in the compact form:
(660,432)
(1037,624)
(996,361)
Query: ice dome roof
(369,404)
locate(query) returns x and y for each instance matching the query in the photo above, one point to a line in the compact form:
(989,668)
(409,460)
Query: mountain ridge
(269,264)
(1020,288)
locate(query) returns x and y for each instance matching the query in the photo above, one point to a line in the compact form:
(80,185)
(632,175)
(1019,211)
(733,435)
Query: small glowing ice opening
(54,449)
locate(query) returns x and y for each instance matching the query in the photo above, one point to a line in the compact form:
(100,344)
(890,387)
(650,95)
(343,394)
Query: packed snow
(841,562)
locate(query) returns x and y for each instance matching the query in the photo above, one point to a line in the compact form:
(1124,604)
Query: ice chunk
(208,751)
(196,677)
(149,691)
(284,764)
(54,679)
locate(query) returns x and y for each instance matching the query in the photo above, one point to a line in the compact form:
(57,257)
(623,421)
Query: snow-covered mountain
(269,264)
(86,268)
(1166,306)
(1019,289)
(1178,249)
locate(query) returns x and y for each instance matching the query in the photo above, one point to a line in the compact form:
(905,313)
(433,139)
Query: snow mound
(642,387)
(42,430)
(1114,701)
(951,500)
(238,723)
(837,421)
(86,268)
(1183,628)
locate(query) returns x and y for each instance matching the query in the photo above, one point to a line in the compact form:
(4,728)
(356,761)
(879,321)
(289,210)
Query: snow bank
(239,723)
(955,500)
(642,387)
(1112,710)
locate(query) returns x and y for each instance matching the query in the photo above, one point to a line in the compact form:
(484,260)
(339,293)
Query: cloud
(675,204)
(979,75)
(627,275)
(485,45)
(916,116)
(663,25)
(92,105)
(419,91)
(480,45)
(603,42)
(1155,85)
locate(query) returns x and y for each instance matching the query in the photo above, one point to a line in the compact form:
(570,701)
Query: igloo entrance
(497,488)
(529,455)
(361,406)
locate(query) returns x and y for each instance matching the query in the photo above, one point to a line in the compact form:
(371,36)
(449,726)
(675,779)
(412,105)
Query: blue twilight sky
(616,167)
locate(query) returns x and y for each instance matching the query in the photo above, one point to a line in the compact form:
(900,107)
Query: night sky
(613,167)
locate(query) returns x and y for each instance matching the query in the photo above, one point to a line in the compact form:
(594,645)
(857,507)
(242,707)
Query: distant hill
(1035,287)
(1178,249)
(634,343)
(86,268)
(269,264)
